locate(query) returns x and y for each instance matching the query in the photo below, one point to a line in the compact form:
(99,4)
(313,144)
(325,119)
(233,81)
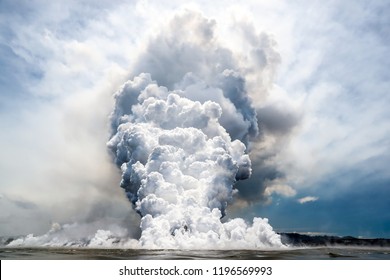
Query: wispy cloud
(307,199)
(283,190)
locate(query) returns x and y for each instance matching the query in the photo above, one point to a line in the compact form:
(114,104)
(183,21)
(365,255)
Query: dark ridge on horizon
(299,240)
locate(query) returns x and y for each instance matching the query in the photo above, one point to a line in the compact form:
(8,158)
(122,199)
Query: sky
(316,73)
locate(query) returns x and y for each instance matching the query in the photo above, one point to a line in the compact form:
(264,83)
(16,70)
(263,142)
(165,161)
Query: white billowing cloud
(239,79)
(307,199)
(179,166)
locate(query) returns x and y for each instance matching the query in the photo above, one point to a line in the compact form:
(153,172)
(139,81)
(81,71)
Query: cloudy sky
(317,74)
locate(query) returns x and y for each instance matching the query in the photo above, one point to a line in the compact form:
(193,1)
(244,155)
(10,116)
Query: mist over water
(182,128)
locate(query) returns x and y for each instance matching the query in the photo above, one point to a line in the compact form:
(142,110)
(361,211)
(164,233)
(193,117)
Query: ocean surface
(314,253)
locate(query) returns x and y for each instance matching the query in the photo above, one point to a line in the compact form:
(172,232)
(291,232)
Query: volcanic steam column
(179,165)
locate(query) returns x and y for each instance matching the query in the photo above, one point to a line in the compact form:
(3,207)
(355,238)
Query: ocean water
(313,253)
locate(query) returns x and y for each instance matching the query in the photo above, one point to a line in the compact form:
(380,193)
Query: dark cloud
(253,190)
(276,125)
(278,121)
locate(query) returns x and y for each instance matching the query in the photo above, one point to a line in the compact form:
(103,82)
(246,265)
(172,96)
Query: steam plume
(182,149)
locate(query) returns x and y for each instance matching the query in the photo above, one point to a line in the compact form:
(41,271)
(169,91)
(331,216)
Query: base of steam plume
(235,234)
